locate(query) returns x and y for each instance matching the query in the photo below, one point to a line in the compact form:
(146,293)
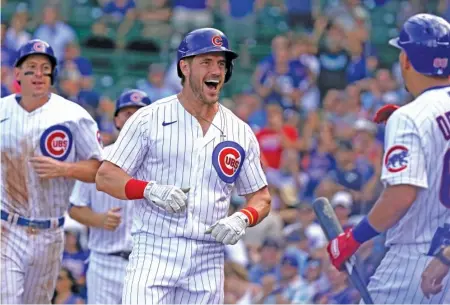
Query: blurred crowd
(309,100)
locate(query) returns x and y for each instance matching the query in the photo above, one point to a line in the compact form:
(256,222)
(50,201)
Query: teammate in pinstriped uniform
(46,143)
(414,208)
(109,220)
(181,157)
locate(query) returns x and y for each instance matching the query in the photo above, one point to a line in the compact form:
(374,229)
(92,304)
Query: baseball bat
(332,228)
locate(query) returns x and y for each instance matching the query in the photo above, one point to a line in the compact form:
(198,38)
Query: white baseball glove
(168,197)
(229,230)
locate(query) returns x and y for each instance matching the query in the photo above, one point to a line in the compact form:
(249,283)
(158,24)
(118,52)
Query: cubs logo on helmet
(136,97)
(217,41)
(396,158)
(228,157)
(39,46)
(56,142)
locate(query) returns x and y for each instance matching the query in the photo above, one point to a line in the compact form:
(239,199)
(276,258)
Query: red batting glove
(342,248)
(384,113)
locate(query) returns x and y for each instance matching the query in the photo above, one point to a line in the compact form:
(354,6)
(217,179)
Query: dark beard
(197,90)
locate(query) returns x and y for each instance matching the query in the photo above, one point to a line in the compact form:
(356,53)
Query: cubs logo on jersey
(228,157)
(56,142)
(396,158)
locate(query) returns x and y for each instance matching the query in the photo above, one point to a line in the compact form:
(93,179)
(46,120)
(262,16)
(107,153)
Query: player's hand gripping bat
(331,227)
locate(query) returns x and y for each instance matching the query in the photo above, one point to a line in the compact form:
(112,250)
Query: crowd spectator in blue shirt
(154,85)
(17,34)
(318,162)
(238,15)
(70,88)
(67,289)
(54,31)
(188,15)
(5,77)
(346,176)
(74,61)
(121,14)
(75,258)
(300,14)
(9,54)
(282,80)
(340,292)
(269,260)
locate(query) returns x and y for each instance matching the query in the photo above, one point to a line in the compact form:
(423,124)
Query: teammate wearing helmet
(109,220)
(46,143)
(180,158)
(414,208)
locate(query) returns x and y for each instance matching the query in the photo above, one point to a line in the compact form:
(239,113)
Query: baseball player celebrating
(414,208)
(46,143)
(109,220)
(180,158)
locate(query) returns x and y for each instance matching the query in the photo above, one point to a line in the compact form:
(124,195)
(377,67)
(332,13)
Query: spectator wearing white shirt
(16,36)
(54,31)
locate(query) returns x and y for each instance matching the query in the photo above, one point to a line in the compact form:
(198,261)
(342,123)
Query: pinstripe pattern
(100,240)
(106,273)
(171,250)
(414,126)
(30,264)
(104,278)
(31,261)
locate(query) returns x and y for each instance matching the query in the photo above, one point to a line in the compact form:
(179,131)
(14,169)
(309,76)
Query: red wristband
(134,189)
(251,214)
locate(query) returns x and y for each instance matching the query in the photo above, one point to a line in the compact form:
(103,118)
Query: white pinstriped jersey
(100,240)
(59,129)
(164,143)
(417,152)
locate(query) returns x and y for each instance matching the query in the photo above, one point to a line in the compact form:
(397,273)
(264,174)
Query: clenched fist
(112,219)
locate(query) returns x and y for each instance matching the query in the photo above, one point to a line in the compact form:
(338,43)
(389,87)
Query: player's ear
(404,61)
(17,73)
(185,67)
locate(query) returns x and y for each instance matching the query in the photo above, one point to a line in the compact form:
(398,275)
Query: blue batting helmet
(425,39)
(203,41)
(35,47)
(132,98)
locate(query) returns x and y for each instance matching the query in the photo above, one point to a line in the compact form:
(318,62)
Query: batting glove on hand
(342,248)
(168,197)
(384,113)
(229,230)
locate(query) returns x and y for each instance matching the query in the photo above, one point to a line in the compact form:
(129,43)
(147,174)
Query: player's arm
(47,168)
(112,179)
(251,183)
(258,201)
(115,175)
(81,208)
(109,220)
(403,172)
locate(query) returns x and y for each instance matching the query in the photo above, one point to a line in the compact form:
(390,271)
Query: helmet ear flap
(53,75)
(229,66)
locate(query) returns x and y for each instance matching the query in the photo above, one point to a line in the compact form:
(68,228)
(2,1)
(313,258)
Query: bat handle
(362,290)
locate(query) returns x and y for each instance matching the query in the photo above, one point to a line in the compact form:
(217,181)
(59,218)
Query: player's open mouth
(212,84)
(38,83)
